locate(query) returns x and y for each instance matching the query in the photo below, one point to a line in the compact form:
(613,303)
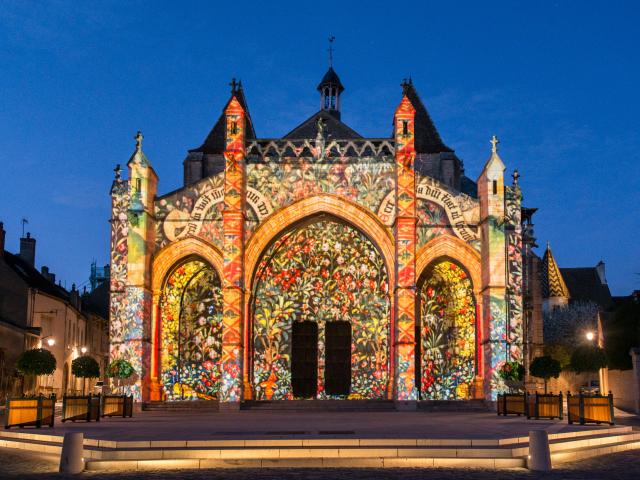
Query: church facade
(321,265)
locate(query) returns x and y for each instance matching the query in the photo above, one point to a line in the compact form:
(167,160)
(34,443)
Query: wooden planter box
(117,406)
(590,409)
(512,404)
(544,406)
(30,412)
(81,407)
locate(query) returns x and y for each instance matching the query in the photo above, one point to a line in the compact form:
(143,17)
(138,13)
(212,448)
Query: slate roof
(585,285)
(33,277)
(216,140)
(334,128)
(331,77)
(553,284)
(427,138)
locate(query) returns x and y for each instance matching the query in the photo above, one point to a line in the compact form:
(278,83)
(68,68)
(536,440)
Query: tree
(37,361)
(560,353)
(545,367)
(588,358)
(622,334)
(85,367)
(120,369)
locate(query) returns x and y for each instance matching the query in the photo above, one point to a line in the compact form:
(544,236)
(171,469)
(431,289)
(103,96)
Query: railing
(30,412)
(511,404)
(590,409)
(544,405)
(80,407)
(117,406)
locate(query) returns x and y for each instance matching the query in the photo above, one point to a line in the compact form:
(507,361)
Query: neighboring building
(322,264)
(35,312)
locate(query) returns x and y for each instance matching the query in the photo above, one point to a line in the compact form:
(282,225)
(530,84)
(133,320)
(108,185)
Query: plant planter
(544,406)
(590,409)
(81,407)
(511,404)
(117,406)
(30,412)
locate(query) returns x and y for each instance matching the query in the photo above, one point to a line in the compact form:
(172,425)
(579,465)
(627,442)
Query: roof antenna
(24,222)
(331,39)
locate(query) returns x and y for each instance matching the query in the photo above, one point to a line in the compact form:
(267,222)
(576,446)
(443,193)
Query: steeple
(553,285)
(330,87)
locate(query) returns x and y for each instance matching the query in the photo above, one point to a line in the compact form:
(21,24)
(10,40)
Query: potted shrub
(120,369)
(513,375)
(85,367)
(545,367)
(35,362)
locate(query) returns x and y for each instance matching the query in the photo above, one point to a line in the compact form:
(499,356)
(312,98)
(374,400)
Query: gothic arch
(356,215)
(455,249)
(448,247)
(165,259)
(161,265)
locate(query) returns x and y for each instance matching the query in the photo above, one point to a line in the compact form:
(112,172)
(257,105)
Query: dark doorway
(337,374)
(304,359)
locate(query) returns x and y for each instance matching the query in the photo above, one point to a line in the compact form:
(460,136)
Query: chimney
(74,297)
(600,270)
(47,274)
(2,234)
(28,249)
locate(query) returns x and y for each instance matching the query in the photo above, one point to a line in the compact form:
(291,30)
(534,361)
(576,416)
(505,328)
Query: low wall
(570,381)
(624,386)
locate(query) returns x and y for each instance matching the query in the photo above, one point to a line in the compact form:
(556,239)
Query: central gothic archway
(320,311)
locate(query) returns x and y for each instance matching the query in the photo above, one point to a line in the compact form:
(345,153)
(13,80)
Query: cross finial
(331,39)
(139,138)
(516,176)
(118,171)
(494,144)
(233,85)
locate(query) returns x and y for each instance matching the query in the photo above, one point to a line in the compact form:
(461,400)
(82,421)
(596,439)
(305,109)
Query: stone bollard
(72,456)
(539,454)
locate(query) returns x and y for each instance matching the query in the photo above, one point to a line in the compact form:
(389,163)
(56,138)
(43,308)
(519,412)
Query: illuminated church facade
(319,265)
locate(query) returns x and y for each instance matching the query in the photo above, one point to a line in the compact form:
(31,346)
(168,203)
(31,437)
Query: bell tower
(330,87)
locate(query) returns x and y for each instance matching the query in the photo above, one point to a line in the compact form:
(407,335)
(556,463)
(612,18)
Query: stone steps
(329,452)
(320,405)
(184,406)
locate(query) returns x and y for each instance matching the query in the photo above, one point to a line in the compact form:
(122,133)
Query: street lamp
(590,336)
(51,342)
(83,350)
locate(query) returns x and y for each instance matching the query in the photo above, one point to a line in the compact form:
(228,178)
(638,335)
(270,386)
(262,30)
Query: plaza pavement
(259,424)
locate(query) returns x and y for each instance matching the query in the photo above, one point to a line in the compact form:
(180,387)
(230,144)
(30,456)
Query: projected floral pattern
(191,332)
(321,272)
(447,333)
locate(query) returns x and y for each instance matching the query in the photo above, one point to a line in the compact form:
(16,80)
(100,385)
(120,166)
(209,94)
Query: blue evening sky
(556,81)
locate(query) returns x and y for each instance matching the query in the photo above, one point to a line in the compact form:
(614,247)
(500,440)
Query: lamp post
(83,350)
(50,340)
(590,336)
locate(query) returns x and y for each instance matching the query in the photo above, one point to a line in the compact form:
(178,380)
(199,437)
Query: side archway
(449,328)
(162,264)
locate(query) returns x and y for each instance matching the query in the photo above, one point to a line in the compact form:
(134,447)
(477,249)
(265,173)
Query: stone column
(133,243)
(491,193)
(231,389)
(405,238)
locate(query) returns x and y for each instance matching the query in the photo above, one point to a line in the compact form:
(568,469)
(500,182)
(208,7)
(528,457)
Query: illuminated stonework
(247,282)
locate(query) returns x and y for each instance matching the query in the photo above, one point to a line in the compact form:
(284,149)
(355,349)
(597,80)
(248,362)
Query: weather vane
(331,39)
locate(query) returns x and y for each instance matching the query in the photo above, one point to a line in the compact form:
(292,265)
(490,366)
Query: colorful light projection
(191,332)
(322,272)
(447,333)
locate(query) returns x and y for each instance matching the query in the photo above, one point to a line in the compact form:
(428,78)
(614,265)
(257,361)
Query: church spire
(330,87)
(553,284)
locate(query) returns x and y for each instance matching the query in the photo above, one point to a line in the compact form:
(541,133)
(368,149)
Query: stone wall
(624,386)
